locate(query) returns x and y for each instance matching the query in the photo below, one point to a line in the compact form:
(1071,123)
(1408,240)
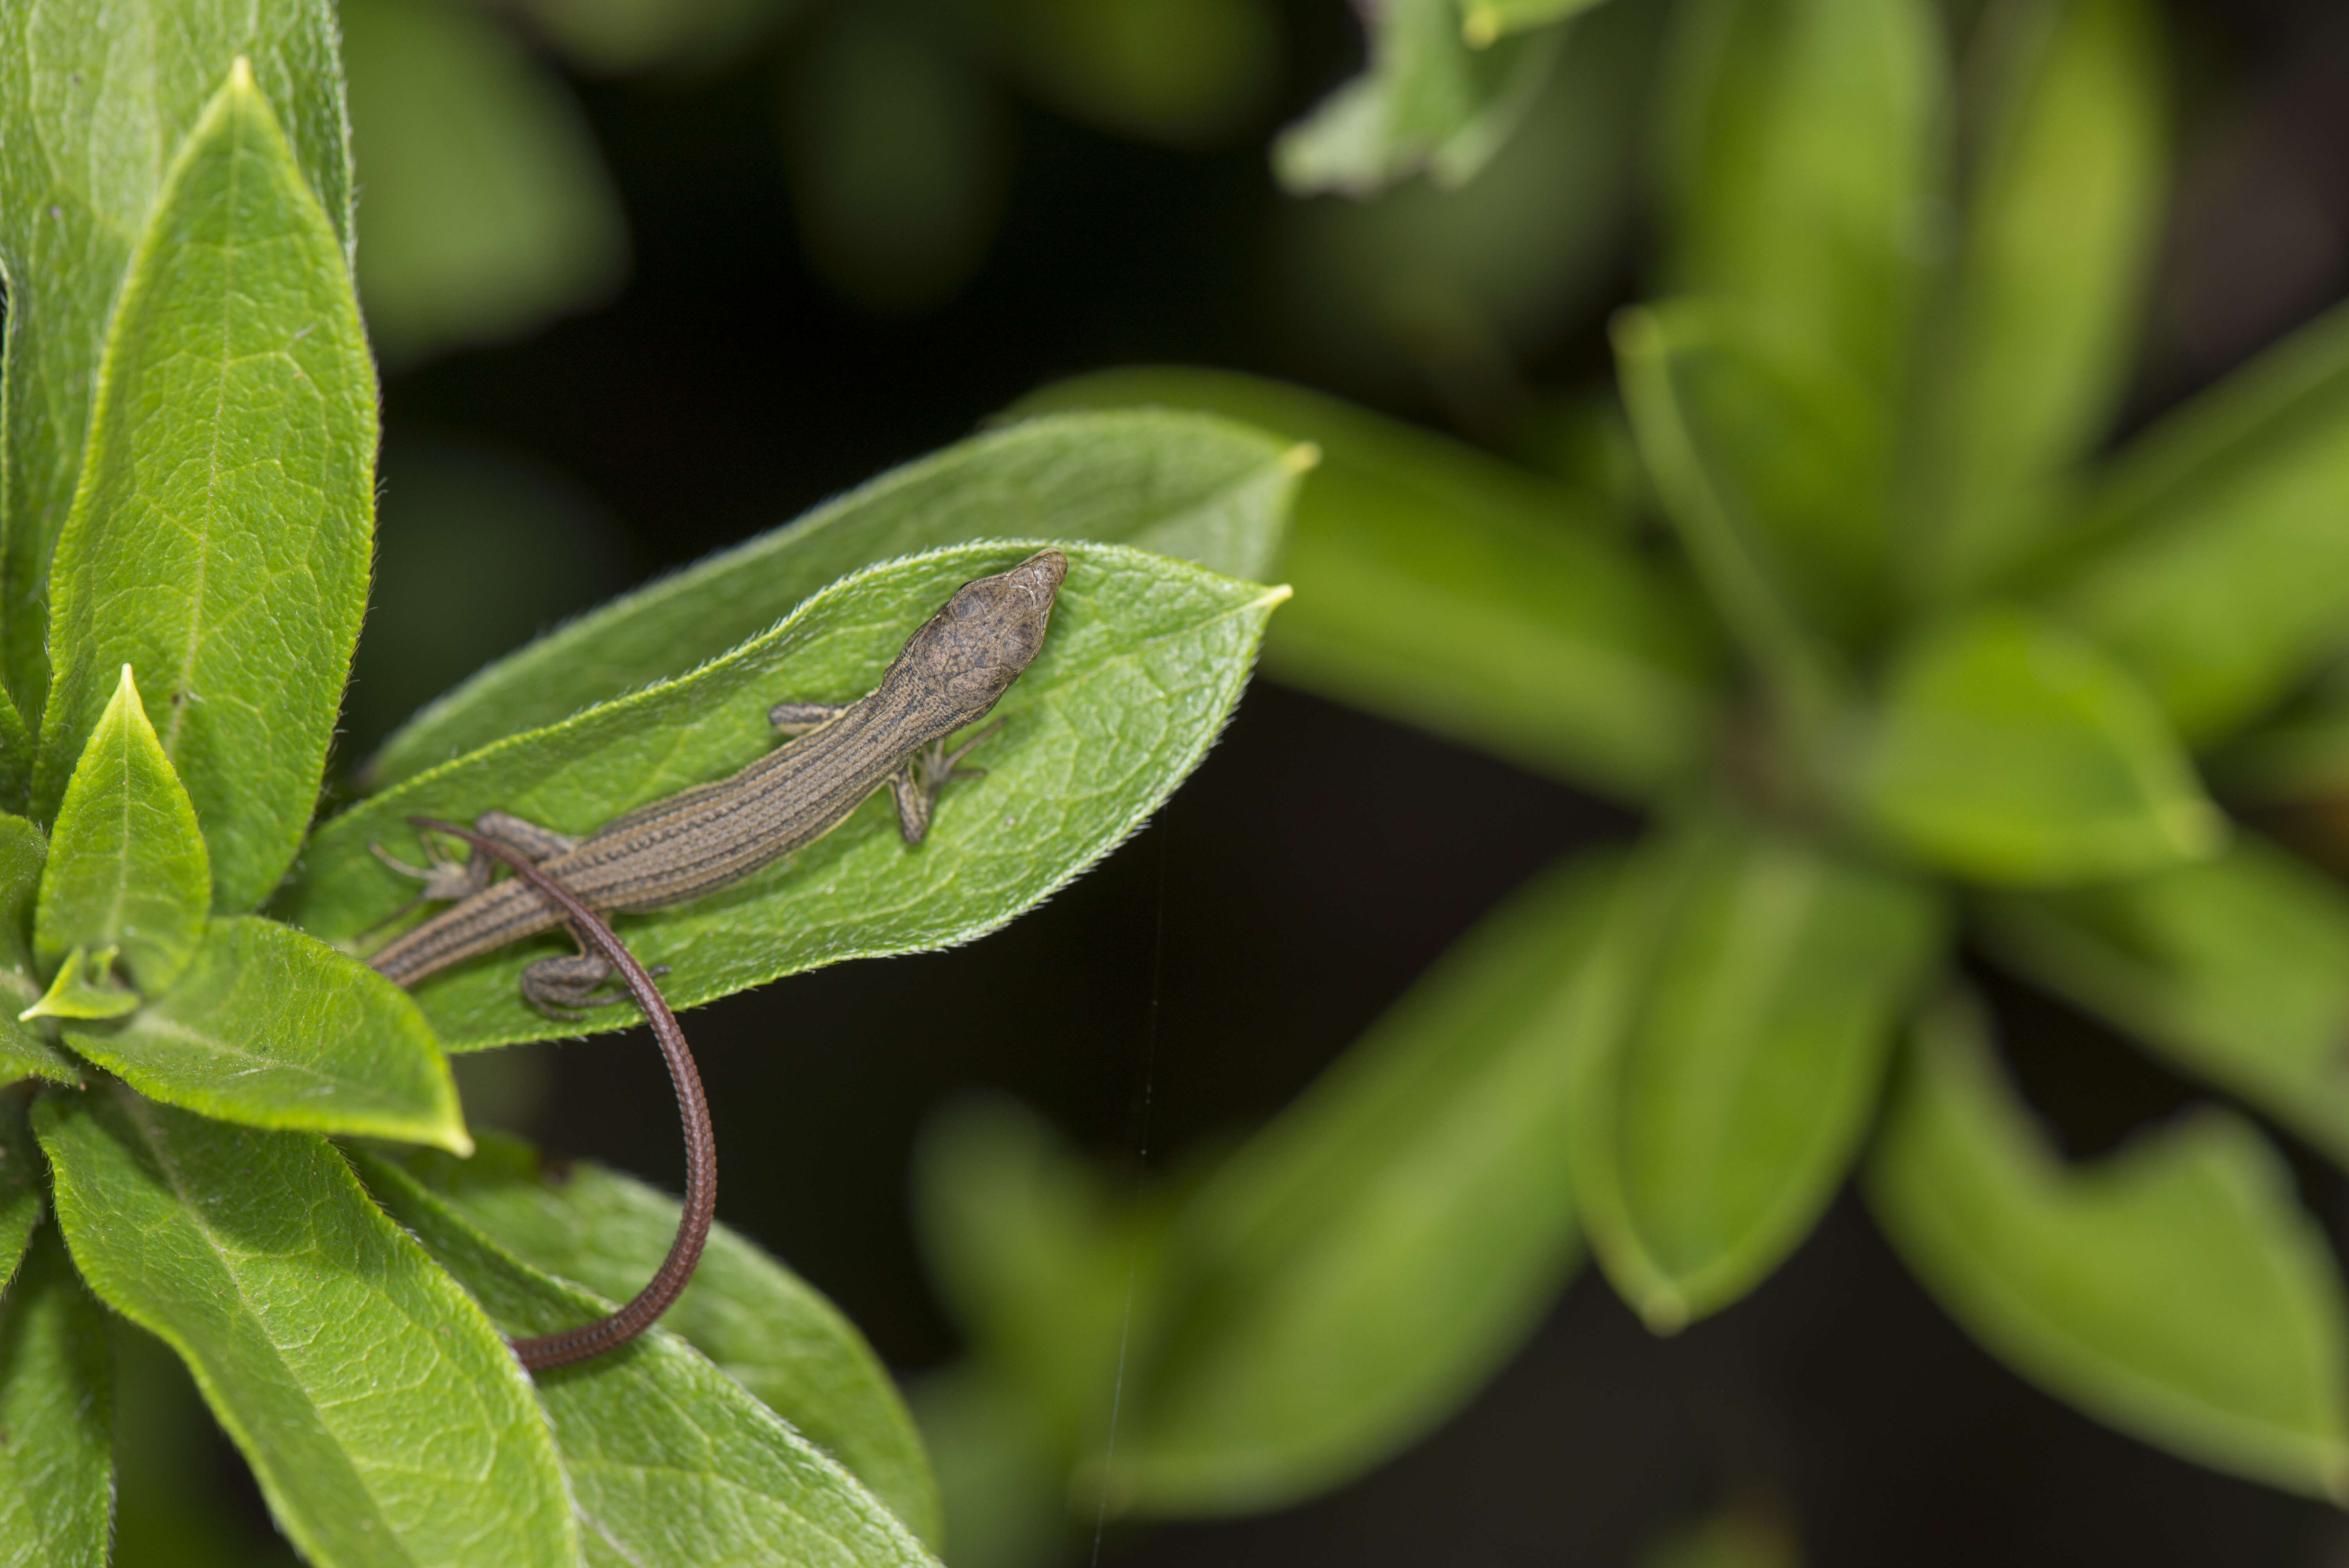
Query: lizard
(948,675)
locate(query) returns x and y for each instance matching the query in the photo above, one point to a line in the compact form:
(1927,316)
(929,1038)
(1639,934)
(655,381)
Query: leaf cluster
(1902,658)
(186,515)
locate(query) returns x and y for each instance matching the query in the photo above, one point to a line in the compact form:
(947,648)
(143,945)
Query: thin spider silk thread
(1141,1163)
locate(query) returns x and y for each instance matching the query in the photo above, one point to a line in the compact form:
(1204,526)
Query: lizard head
(989,632)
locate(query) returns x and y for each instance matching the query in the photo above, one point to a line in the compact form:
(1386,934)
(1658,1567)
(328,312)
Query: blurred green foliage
(1977,672)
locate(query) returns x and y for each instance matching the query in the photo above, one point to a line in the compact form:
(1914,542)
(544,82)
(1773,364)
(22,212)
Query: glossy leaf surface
(223,551)
(2224,574)
(126,866)
(1202,489)
(386,1422)
(1798,154)
(2010,750)
(669,1462)
(1144,659)
(57,1377)
(2237,969)
(97,102)
(272,1028)
(1438,586)
(1428,102)
(762,1324)
(1756,987)
(1360,1266)
(2051,279)
(2176,1290)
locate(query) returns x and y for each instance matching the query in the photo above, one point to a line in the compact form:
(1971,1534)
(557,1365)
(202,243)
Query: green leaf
(2223,577)
(1800,159)
(762,1324)
(1145,659)
(2036,350)
(22,1188)
(56,1375)
(1790,447)
(1189,74)
(223,550)
(2237,969)
(1666,393)
(85,987)
(1203,489)
(274,1029)
(1362,1265)
(1001,1471)
(1047,1270)
(2302,757)
(2176,1290)
(16,746)
(671,1464)
(126,867)
(1483,22)
(1429,103)
(488,211)
(26,1052)
(1731,1058)
(1449,589)
(95,110)
(384,1418)
(2009,751)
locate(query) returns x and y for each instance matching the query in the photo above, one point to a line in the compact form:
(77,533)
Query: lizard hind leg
(567,986)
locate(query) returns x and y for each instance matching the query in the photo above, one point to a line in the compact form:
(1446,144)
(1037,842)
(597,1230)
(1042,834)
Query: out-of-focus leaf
(1001,1471)
(384,1418)
(2176,1290)
(2238,968)
(1180,484)
(479,548)
(126,866)
(1478,600)
(2010,750)
(1360,1266)
(485,208)
(1429,103)
(899,153)
(1145,659)
(1760,989)
(223,551)
(275,1028)
(2051,276)
(2227,577)
(1715,519)
(96,102)
(16,743)
(616,37)
(1800,168)
(57,1376)
(1185,73)
(26,1052)
(1047,1273)
(1785,452)
(670,1463)
(1453,287)
(762,1324)
(1483,22)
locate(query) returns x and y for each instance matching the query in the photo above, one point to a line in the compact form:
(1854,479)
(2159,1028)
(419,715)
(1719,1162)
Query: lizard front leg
(916,786)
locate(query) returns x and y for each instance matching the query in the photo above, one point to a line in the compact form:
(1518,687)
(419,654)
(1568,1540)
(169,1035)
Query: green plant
(190,431)
(1913,659)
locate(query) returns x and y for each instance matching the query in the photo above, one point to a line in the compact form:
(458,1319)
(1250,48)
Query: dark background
(1195,982)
